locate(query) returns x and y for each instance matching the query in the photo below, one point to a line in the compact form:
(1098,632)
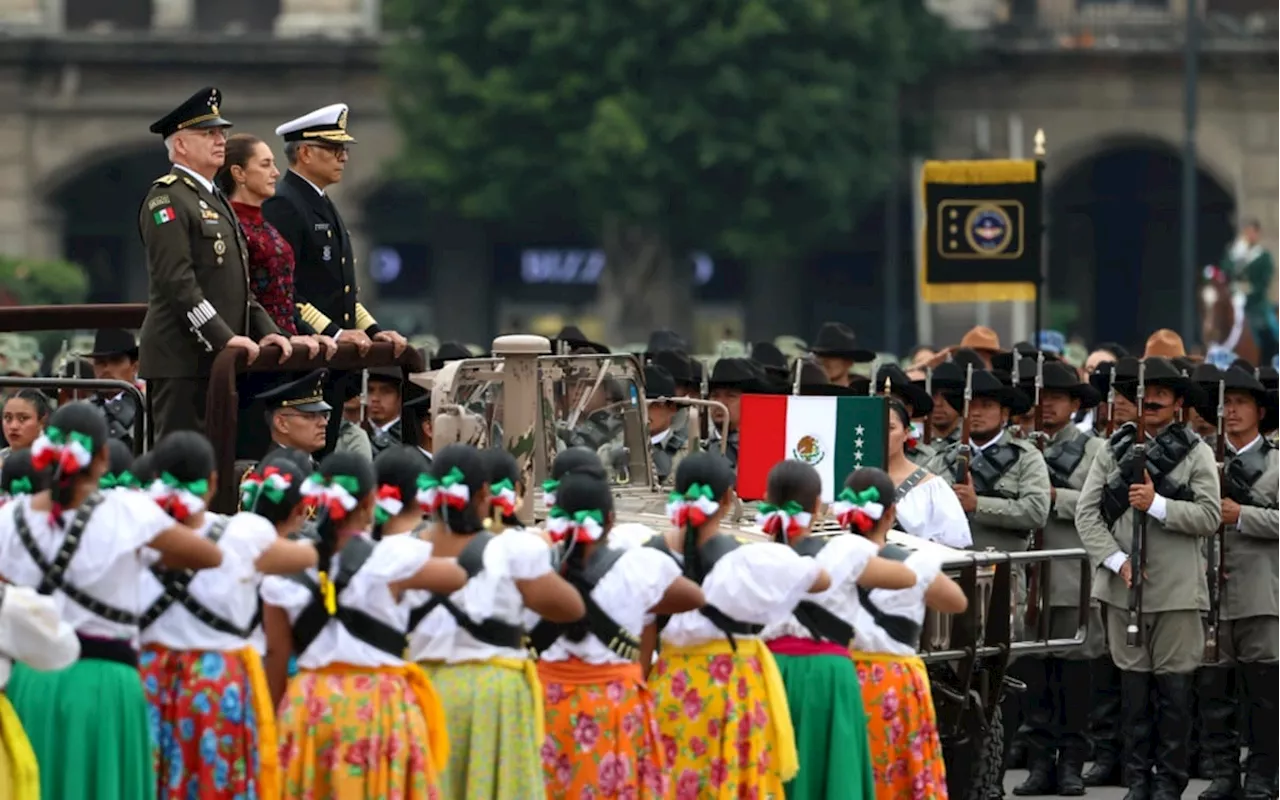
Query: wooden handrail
(27,319)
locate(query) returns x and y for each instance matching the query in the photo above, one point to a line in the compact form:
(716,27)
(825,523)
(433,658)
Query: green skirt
(89,730)
(493,751)
(831,728)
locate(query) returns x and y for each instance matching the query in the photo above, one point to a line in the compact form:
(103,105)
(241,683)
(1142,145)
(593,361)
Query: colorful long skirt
(353,731)
(496,727)
(19,771)
(826,713)
(723,717)
(212,718)
(906,755)
(88,728)
(602,732)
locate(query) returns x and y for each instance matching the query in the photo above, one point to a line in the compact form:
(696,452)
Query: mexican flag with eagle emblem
(834,435)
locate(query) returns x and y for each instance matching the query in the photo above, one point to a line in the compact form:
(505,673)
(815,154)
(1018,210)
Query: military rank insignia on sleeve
(164,215)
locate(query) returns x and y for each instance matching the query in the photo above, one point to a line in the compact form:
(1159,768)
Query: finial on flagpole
(1039,142)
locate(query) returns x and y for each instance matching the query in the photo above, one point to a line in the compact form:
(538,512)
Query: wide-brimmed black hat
(767,354)
(1004,360)
(1060,377)
(1019,403)
(1269,378)
(573,337)
(918,400)
(1158,371)
(658,382)
(814,383)
(666,340)
(304,393)
(111,342)
(677,364)
(449,351)
(734,373)
(1100,378)
(416,397)
(200,110)
(1234,379)
(393,375)
(838,340)
(964,356)
(988,384)
(946,376)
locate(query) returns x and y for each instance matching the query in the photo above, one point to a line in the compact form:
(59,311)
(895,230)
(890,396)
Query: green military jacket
(1016,505)
(198,279)
(1254,269)
(1068,454)
(1175,564)
(1253,559)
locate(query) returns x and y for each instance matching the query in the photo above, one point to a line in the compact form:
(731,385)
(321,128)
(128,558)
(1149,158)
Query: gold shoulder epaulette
(164,180)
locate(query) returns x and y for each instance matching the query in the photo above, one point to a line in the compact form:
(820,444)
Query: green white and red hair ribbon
(790,518)
(270,483)
(502,496)
(179,499)
(694,507)
(68,451)
(389,503)
(336,494)
(858,510)
(580,526)
(451,491)
(549,493)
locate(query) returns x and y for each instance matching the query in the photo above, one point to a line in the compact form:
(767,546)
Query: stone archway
(1115,217)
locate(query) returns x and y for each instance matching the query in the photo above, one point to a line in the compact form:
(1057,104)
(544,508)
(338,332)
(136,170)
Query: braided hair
(702,482)
(792,493)
(867,498)
(402,472)
(75,436)
(343,482)
(584,513)
(506,487)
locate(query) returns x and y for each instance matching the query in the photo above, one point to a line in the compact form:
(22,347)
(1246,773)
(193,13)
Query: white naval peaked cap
(328,124)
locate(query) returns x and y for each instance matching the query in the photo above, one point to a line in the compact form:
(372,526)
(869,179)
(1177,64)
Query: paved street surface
(1016,776)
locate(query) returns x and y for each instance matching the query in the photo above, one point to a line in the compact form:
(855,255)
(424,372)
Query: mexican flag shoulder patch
(163,215)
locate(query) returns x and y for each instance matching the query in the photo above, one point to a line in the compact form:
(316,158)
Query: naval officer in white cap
(317,146)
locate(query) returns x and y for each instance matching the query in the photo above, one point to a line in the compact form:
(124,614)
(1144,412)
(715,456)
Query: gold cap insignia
(342,120)
(214,109)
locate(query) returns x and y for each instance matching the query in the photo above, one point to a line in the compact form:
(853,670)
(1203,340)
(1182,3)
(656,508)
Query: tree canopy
(756,127)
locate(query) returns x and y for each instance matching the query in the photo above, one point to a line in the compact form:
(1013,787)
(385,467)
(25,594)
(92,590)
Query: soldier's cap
(573,337)
(449,351)
(917,399)
(666,340)
(1234,378)
(110,342)
(393,375)
(838,340)
(1164,343)
(1159,371)
(767,354)
(1052,342)
(981,338)
(677,364)
(200,110)
(324,125)
(1004,360)
(1058,377)
(964,356)
(658,382)
(1021,402)
(736,373)
(988,384)
(305,393)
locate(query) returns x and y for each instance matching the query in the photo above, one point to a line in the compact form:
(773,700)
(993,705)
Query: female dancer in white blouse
(95,741)
(472,642)
(926,507)
(212,715)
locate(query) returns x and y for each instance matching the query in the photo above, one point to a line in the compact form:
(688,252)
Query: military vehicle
(523,398)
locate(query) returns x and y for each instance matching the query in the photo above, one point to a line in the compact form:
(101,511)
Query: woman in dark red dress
(247,178)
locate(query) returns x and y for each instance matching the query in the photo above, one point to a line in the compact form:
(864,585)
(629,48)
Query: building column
(30,14)
(329,18)
(173,15)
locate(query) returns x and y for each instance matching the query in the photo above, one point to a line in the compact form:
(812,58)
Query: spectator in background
(920,355)
(25,413)
(115,357)
(1252,269)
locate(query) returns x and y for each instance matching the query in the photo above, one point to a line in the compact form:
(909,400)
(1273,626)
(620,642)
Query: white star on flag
(858,430)
(857,442)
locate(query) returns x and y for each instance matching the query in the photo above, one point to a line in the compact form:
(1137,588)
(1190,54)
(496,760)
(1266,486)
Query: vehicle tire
(987,778)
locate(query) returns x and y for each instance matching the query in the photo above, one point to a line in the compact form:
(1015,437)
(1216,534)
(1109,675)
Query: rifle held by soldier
(1036,581)
(1138,548)
(1217,562)
(964,451)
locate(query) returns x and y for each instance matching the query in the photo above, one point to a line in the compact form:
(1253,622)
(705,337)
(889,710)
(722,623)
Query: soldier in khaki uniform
(1247,636)
(666,443)
(1179,494)
(918,404)
(199,300)
(1055,722)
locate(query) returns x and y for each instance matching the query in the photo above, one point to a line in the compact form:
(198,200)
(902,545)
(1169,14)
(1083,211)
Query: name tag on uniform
(322,226)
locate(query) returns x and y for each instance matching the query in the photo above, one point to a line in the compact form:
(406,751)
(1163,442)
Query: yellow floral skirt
(354,731)
(19,772)
(724,722)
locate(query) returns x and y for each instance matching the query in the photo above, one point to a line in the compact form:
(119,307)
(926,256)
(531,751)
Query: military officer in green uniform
(1055,722)
(1179,494)
(918,404)
(1247,635)
(199,301)
(298,414)
(1251,270)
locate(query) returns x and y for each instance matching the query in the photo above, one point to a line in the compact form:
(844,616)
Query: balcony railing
(1113,25)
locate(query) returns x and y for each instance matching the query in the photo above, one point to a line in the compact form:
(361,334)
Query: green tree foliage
(29,282)
(757,127)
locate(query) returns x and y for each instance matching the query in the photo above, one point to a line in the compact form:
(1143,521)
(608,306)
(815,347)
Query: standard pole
(1190,159)
(893,236)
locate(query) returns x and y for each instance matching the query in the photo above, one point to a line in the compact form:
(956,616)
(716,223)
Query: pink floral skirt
(902,729)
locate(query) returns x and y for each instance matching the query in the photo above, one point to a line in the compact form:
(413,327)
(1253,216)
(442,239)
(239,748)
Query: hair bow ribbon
(549,492)
(502,496)
(20,486)
(179,499)
(389,503)
(694,507)
(69,451)
(790,518)
(454,491)
(336,493)
(858,510)
(122,480)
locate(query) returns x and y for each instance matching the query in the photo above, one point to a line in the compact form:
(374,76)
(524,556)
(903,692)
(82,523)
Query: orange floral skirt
(602,732)
(906,754)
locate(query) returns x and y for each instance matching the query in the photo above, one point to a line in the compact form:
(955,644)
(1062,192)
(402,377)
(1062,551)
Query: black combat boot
(1075,686)
(1038,712)
(1136,721)
(1015,705)
(1261,686)
(1104,725)
(1173,734)
(1219,737)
